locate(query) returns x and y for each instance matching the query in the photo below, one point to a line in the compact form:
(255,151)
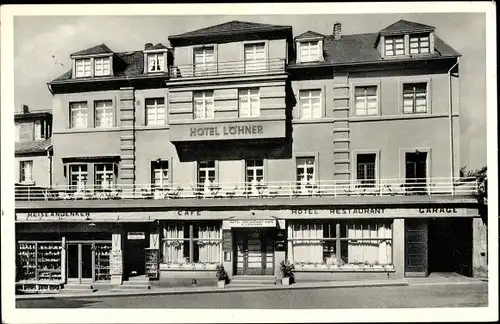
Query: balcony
(228,68)
(285,191)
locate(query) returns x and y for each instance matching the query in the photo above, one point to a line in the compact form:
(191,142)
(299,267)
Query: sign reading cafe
(226,130)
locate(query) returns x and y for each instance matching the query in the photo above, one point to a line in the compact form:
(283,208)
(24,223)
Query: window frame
(419,37)
(362,84)
(354,162)
(305,167)
(248,95)
(310,98)
(204,68)
(22,171)
(393,48)
(80,109)
(414,80)
(308,58)
(153,169)
(156,55)
(112,171)
(77,186)
(204,98)
(111,113)
(156,107)
(257,65)
(84,61)
(206,170)
(41,126)
(103,59)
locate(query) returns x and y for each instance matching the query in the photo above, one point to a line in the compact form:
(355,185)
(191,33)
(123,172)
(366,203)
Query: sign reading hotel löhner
(252,223)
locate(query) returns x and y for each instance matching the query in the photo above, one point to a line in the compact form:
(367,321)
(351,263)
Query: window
(18,132)
(78,176)
(366,101)
(249,102)
(203,105)
(104,114)
(415,98)
(419,44)
(361,242)
(309,51)
(156,62)
(365,169)
(206,173)
(26,168)
(83,68)
(310,104)
(305,173)
(39,130)
(255,57)
(78,114)
(155,111)
(159,174)
(254,174)
(394,45)
(104,175)
(204,60)
(191,243)
(101,66)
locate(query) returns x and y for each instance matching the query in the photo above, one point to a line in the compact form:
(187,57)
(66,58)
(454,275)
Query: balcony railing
(227,68)
(285,189)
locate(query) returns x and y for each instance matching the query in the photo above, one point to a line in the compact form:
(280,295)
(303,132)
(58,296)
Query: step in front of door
(252,281)
(78,288)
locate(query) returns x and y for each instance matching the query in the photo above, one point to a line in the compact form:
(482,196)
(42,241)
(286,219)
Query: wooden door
(416,242)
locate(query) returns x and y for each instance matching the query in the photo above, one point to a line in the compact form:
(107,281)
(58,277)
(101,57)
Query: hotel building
(243,145)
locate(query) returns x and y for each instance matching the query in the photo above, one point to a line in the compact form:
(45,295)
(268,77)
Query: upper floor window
(26,168)
(39,130)
(305,172)
(394,45)
(78,114)
(255,57)
(104,114)
(18,132)
(366,101)
(203,104)
(415,98)
(204,60)
(309,104)
(249,102)
(365,169)
(78,176)
(104,175)
(83,68)
(206,173)
(159,173)
(309,51)
(102,66)
(419,44)
(155,111)
(156,62)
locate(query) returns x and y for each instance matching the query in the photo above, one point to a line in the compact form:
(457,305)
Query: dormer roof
(309,35)
(405,27)
(98,49)
(151,47)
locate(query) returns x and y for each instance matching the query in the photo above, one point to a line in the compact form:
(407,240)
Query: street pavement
(412,296)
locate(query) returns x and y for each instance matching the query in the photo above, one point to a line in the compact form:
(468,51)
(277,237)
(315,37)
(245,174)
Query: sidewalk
(431,280)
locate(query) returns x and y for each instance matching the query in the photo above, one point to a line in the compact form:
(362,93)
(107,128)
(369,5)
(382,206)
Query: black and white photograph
(248,162)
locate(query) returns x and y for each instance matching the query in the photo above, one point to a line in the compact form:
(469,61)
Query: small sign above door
(252,223)
(136,236)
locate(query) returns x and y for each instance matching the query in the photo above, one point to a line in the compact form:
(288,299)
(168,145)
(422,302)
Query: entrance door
(73,262)
(135,254)
(86,263)
(80,262)
(415,248)
(254,253)
(416,171)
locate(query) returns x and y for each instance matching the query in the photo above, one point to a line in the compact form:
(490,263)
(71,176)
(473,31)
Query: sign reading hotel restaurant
(252,223)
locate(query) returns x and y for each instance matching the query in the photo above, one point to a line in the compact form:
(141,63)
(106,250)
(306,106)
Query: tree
(482,193)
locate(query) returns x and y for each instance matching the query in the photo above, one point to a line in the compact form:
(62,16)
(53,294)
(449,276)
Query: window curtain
(173,250)
(310,249)
(360,249)
(209,250)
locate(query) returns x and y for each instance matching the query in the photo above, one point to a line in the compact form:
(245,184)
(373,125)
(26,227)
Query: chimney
(337,30)
(25,109)
(148,46)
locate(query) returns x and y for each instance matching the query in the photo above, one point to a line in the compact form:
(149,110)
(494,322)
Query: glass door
(80,262)
(87,262)
(416,171)
(73,262)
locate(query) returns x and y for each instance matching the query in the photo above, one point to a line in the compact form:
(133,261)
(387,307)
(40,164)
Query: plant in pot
(222,277)
(287,272)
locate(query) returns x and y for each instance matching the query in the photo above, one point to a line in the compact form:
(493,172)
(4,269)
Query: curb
(213,290)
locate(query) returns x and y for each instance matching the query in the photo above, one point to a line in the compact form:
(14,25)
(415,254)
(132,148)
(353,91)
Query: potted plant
(221,275)
(287,272)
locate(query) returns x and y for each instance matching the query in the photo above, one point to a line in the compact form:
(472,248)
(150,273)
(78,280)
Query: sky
(43,44)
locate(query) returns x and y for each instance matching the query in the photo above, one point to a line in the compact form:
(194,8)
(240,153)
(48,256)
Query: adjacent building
(243,145)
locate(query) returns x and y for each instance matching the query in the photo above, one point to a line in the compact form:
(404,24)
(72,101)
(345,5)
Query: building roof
(132,65)
(404,26)
(361,48)
(33,146)
(149,47)
(33,114)
(310,34)
(98,49)
(232,27)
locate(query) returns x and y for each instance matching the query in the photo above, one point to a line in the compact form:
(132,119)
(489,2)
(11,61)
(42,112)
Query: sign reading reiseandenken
(226,130)
(58,215)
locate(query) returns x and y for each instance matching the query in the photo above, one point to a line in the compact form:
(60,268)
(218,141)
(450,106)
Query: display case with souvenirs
(152,263)
(102,264)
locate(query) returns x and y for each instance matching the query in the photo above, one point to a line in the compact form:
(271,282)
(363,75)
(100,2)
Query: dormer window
(419,44)
(309,51)
(83,68)
(394,45)
(156,62)
(102,66)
